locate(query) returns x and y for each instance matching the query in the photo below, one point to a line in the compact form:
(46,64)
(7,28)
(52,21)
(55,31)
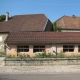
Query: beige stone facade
(12,49)
(75,52)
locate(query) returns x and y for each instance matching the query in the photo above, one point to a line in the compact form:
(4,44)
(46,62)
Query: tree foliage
(56,28)
(2,17)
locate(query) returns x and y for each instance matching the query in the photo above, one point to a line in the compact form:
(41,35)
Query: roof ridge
(28,14)
(59,18)
(65,16)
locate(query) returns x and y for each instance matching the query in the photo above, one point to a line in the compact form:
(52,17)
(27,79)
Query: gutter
(42,42)
(69,29)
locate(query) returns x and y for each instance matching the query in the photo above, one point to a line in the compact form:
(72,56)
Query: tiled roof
(69,22)
(34,22)
(43,37)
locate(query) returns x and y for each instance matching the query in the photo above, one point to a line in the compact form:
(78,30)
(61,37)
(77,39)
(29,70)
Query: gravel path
(39,69)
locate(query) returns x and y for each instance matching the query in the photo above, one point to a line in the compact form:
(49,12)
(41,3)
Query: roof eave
(69,29)
(42,42)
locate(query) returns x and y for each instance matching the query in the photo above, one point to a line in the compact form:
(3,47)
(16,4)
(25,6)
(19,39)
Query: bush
(26,56)
(23,56)
(74,56)
(60,55)
(49,55)
(10,56)
(41,55)
(20,56)
(44,55)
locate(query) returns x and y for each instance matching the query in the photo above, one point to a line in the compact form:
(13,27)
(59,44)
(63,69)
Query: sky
(53,9)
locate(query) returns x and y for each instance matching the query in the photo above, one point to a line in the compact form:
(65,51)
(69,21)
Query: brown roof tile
(43,37)
(34,22)
(69,22)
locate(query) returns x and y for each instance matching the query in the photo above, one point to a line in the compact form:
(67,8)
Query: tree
(2,18)
(56,28)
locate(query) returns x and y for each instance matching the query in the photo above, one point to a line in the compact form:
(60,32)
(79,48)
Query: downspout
(56,50)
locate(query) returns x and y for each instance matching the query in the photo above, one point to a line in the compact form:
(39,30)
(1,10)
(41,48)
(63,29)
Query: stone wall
(2,59)
(41,61)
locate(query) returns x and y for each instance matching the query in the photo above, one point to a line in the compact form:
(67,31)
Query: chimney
(7,16)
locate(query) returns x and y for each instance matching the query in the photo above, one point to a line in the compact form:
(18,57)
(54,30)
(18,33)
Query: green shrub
(20,56)
(26,56)
(77,56)
(10,56)
(74,56)
(49,55)
(44,55)
(23,56)
(41,55)
(54,56)
(13,56)
(61,55)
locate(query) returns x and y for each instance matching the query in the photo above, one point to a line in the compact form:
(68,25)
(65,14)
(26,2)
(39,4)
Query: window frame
(68,48)
(22,48)
(38,48)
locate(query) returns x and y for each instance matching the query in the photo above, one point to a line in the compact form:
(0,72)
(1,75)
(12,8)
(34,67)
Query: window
(38,48)
(79,48)
(23,49)
(0,38)
(68,48)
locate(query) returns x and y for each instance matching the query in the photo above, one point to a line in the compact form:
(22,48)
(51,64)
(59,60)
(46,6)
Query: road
(60,76)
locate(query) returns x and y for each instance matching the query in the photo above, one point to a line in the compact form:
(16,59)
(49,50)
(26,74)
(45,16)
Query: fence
(41,61)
